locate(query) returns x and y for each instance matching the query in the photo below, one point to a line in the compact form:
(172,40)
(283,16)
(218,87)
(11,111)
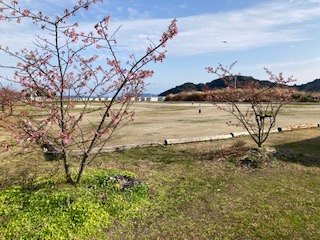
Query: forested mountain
(215,84)
(313,86)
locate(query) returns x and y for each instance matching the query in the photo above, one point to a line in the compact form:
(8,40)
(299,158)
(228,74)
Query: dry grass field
(157,121)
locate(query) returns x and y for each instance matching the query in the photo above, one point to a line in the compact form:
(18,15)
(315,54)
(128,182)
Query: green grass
(49,209)
(190,191)
(208,199)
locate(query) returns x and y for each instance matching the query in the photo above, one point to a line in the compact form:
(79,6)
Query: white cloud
(244,29)
(132,12)
(302,62)
(303,70)
(258,26)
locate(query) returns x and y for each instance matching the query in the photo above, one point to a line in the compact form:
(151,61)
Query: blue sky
(282,35)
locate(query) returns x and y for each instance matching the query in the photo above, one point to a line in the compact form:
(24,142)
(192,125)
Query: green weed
(52,210)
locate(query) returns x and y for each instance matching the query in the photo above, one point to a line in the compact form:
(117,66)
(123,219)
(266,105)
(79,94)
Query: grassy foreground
(191,191)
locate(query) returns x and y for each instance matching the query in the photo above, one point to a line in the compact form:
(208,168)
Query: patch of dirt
(244,156)
(223,154)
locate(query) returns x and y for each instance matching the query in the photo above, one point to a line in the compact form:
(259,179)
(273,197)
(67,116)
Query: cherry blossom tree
(264,103)
(65,66)
(8,97)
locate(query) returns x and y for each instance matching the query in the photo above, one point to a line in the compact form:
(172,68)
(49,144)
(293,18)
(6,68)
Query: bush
(186,96)
(298,96)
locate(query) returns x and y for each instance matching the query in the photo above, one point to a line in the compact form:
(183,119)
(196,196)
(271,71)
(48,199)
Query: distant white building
(152,99)
(136,99)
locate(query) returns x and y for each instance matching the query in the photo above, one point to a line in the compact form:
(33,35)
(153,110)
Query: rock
(125,182)
(249,163)
(252,158)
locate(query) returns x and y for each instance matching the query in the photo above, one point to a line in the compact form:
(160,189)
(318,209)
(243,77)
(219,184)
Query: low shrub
(298,96)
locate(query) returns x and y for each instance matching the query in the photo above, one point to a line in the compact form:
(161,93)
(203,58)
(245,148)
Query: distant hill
(313,86)
(186,87)
(215,84)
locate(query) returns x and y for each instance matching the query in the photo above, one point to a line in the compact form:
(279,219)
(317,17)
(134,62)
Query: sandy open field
(157,121)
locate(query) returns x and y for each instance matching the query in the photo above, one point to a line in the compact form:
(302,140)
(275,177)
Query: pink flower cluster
(60,69)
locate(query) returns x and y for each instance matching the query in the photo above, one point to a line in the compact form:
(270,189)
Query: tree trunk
(82,166)
(11,111)
(67,167)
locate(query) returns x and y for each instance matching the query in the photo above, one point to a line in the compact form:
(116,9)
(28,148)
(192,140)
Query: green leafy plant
(51,209)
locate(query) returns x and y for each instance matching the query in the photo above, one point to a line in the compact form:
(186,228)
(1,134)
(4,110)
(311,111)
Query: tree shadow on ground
(306,152)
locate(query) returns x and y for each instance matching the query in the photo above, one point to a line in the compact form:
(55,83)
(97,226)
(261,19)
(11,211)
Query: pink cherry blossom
(26,12)
(61,75)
